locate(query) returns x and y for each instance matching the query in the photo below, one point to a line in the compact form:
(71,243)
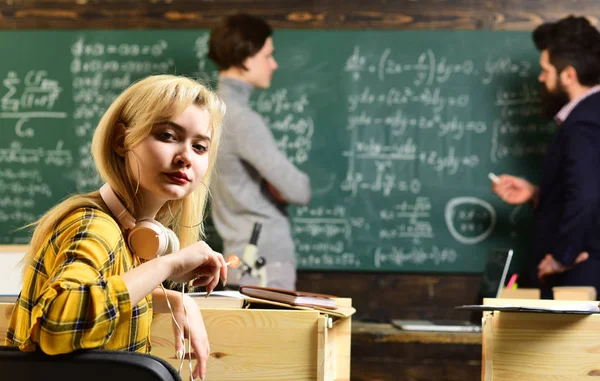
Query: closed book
(294,298)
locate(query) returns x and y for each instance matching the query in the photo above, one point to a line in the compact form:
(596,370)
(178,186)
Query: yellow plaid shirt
(73,296)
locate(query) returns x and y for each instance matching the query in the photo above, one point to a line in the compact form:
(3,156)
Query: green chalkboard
(397,130)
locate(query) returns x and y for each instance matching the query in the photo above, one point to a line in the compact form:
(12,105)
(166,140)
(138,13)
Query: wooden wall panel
(322,14)
(384,296)
(415,362)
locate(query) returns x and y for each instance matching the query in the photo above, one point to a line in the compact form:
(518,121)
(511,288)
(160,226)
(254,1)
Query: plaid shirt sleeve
(73,296)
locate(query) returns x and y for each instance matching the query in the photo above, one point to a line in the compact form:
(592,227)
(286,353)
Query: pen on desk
(494,178)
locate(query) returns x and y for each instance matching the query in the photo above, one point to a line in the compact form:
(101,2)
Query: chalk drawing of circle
(453,203)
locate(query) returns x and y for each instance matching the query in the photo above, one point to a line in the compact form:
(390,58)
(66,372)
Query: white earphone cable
(181,335)
(187,322)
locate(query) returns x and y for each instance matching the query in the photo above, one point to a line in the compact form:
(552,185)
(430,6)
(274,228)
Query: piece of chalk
(494,178)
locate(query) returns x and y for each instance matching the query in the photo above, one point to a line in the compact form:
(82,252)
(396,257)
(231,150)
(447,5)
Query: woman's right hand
(514,190)
(197,263)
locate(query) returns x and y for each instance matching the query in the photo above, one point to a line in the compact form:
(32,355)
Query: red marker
(512,281)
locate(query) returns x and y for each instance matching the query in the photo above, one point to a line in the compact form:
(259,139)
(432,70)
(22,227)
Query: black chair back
(89,365)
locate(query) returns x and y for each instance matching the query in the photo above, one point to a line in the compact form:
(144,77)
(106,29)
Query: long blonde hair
(139,107)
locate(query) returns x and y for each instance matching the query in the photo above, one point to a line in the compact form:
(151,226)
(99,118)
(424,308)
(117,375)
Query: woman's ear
(119,142)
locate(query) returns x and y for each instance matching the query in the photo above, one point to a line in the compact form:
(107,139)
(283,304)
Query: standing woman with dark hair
(255,181)
(96,260)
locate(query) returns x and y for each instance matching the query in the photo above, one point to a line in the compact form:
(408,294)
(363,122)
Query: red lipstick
(178,177)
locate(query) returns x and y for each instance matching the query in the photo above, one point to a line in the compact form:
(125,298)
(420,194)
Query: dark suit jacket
(568,212)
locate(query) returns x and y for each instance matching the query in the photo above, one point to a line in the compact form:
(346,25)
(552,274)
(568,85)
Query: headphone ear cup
(173,242)
(148,239)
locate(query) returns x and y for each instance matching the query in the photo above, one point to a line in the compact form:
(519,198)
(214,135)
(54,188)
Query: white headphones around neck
(146,238)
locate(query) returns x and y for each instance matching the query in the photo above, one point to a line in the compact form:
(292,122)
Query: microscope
(252,264)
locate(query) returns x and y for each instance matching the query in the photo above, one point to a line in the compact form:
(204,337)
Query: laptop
(492,283)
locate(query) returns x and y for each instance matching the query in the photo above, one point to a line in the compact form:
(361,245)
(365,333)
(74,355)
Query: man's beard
(553,101)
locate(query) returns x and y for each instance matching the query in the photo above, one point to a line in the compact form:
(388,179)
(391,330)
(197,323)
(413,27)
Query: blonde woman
(85,282)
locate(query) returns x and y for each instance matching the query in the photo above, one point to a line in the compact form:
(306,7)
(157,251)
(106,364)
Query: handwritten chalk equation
(81,48)
(201,49)
(470,220)
(383,183)
(417,255)
(23,188)
(337,211)
(427,68)
(512,148)
(17,154)
(400,123)
(435,98)
(33,97)
(330,260)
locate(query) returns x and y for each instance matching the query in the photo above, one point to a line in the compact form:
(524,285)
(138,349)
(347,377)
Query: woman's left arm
(197,331)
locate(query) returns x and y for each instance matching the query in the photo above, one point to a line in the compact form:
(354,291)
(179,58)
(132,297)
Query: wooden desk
(540,346)
(382,352)
(258,344)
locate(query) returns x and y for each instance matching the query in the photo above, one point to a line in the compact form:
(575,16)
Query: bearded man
(567,201)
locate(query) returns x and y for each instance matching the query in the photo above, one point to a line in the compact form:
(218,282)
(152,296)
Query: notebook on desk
(492,283)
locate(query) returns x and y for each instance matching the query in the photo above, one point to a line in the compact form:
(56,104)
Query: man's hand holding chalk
(513,190)
(494,178)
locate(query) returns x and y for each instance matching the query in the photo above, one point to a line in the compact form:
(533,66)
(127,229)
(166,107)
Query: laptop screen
(495,273)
